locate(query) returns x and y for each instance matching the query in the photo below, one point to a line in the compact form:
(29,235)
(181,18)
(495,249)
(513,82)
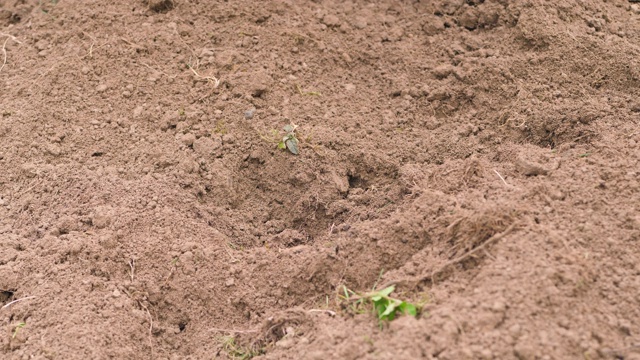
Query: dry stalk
(500,176)
(466,255)
(216,81)
(4,48)
(18,300)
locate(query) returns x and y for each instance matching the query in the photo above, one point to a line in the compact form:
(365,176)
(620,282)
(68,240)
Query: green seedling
(18,327)
(289,141)
(221,128)
(307,93)
(236,351)
(385,306)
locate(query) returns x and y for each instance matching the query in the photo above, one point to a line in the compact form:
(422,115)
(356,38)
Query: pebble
(529,168)
(53,149)
(188,139)
(101,88)
(230,282)
(101,219)
(228,139)
(331,20)
(286,342)
(249,113)
(42,45)
(206,145)
(360,22)
(443,71)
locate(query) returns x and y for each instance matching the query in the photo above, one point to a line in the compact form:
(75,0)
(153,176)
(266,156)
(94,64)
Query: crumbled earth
(483,156)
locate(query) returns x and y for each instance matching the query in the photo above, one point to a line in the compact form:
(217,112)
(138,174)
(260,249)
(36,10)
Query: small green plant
(307,93)
(235,351)
(289,141)
(221,128)
(385,306)
(18,327)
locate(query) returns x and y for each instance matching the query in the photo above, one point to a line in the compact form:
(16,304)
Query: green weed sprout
(18,327)
(235,351)
(385,307)
(289,141)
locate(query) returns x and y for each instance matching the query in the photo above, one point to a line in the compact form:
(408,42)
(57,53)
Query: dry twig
(500,176)
(466,255)
(18,300)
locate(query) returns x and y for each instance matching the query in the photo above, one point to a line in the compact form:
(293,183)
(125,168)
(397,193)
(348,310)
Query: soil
(483,156)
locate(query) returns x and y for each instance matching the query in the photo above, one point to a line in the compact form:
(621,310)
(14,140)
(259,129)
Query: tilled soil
(483,156)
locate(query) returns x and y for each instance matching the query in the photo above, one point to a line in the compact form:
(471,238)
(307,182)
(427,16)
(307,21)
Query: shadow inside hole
(6,296)
(356,181)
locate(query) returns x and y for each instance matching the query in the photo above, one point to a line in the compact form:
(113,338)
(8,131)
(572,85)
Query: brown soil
(483,154)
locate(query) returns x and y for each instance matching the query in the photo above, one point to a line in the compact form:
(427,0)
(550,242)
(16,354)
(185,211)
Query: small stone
(498,306)
(331,20)
(116,293)
(469,18)
(206,146)
(67,224)
(188,139)
(126,94)
(359,22)
(53,149)
(101,219)
(85,70)
(529,168)
(101,88)
(42,45)
(249,113)
(442,71)
(349,87)
(524,350)
(433,26)
(228,139)
(556,195)
(230,282)
(286,342)
(514,330)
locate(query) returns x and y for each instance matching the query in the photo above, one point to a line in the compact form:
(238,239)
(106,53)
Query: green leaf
(376,298)
(391,309)
(346,294)
(387,291)
(281,145)
(292,145)
(408,309)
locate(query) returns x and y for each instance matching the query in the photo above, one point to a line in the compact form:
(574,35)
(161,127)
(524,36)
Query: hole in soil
(182,326)
(160,6)
(288,205)
(356,181)
(258,93)
(6,296)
